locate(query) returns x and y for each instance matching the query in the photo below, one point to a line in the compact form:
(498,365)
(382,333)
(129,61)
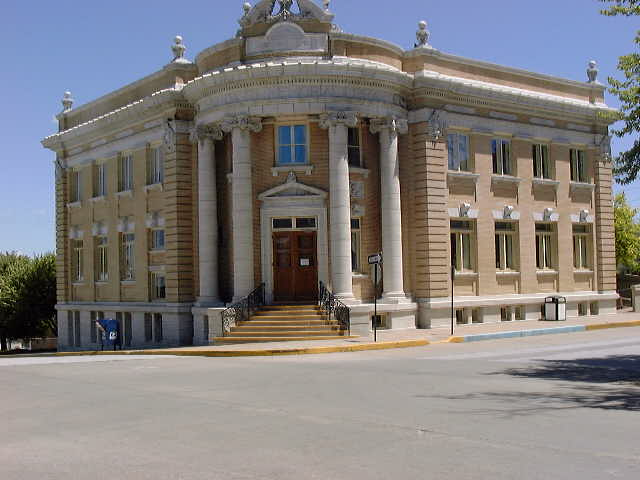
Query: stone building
(289,154)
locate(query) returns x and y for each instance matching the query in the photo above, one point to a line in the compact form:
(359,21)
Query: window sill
(359,275)
(154,187)
(125,193)
(575,186)
(157,250)
(462,175)
(583,272)
(297,168)
(127,282)
(495,178)
(546,272)
(77,204)
(466,275)
(101,282)
(359,171)
(99,199)
(78,283)
(545,182)
(507,273)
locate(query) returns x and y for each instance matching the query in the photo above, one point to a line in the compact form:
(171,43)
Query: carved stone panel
(357,189)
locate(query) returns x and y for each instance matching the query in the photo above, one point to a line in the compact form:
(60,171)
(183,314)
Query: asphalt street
(558,407)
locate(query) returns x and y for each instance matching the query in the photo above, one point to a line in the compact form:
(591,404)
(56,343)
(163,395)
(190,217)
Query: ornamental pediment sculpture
(271,11)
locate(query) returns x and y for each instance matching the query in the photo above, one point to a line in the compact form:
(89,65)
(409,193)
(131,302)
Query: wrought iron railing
(333,307)
(242,311)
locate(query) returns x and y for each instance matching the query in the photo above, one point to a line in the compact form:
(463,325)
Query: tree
(27,297)
(627,165)
(627,231)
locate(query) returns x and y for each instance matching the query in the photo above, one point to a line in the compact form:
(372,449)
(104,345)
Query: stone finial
(246,8)
(507,212)
(178,49)
(548,213)
(422,35)
(326,4)
(67,102)
(592,72)
(465,208)
(584,216)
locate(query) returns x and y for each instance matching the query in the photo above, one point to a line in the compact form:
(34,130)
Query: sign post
(375,260)
(453,312)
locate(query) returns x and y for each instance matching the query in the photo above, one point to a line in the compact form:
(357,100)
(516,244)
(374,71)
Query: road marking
(21,362)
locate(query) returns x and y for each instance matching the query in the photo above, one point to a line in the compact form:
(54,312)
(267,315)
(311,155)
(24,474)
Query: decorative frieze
(242,122)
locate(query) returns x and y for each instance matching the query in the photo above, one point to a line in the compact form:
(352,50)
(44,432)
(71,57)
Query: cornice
(375,42)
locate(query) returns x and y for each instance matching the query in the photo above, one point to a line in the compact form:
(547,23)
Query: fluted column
(389,128)
(340,199)
(241,127)
(205,136)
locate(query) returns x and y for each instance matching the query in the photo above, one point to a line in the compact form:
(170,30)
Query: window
(501,153)
(506,242)
(305,223)
(77,329)
(155,168)
(76,260)
(157,328)
(545,246)
(127,256)
(93,330)
(541,163)
(148,327)
(102,259)
(125,173)
(127,333)
(356,259)
(71,316)
(100,180)
(461,245)
(158,286)
(458,147)
(292,144)
(76,186)
(355,154)
(581,247)
(282,223)
(157,239)
(578,166)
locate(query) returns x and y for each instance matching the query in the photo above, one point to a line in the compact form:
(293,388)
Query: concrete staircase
(283,323)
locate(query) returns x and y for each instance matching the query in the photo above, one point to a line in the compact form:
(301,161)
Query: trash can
(555,309)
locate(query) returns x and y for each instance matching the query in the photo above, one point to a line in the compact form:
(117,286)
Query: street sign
(375,259)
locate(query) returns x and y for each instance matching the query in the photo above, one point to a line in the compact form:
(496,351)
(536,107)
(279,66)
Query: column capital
(395,125)
(243,122)
(331,119)
(201,133)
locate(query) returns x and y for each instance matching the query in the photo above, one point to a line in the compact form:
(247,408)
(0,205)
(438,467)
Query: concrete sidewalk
(397,338)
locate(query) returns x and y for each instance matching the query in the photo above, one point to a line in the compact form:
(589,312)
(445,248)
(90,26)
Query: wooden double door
(295,266)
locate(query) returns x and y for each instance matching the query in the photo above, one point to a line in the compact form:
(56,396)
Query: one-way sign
(375,259)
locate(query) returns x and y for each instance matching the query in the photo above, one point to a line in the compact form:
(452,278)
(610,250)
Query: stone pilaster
(62,233)
(605,233)
(340,200)
(241,127)
(205,136)
(389,128)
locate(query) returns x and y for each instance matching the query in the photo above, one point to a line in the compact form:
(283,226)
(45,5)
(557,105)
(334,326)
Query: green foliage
(27,296)
(627,165)
(627,234)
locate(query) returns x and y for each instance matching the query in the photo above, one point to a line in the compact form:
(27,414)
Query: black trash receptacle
(555,309)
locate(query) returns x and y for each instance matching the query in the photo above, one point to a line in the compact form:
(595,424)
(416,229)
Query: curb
(540,331)
(259,352)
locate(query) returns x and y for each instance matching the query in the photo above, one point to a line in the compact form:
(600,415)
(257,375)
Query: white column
(340,200)
(389,128)
(207,213)
(242,202)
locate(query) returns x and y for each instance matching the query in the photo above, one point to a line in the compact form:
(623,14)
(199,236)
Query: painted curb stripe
(604,326)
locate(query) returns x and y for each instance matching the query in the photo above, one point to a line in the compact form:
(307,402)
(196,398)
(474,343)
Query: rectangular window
(578,166)
(458,147)
(501,153)
(70,328)
(461,245)
(292,144)
(355,154)
(282,223)
(157,328)
(77,329)
(148,327)
(541,163)
(125,173)
(102,259)
(157,239)
(158,286)
(581,247)
(155,169)
(506,241)
(77,267)
(75,194)
(545,246)
(305,223)
(127,256)
(356,259)
(100,180)
(127,333)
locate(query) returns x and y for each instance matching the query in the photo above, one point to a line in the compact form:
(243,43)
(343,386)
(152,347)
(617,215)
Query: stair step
(286,333)
(223,340)
(267,313)
(285,328)
(287,317)
(285,323)
(291,307)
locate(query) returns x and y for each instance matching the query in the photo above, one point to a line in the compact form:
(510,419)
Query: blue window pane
(301,154)
(284,135)
(452,155)
(301,134)
(285,155)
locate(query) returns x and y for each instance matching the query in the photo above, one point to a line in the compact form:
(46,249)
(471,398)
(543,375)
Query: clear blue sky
(92,48)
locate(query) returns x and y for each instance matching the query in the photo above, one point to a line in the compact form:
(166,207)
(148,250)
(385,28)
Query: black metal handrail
(332,306)
(242,311)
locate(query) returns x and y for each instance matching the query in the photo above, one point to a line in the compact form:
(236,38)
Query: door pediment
(292,189)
